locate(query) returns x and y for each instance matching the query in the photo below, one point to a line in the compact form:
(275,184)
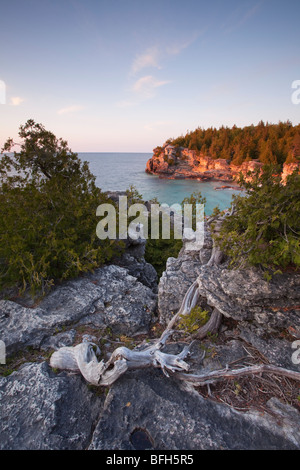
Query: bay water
(118,171)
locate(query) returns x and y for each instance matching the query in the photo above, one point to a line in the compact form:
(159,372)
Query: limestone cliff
(181,163)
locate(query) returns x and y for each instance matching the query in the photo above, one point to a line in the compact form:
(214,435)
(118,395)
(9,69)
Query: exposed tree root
(216,375)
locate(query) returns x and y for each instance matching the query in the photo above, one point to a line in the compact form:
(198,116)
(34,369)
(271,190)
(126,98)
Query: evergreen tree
(48,202)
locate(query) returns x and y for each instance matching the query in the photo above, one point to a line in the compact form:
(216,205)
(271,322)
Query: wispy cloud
(149,58)
(70,109)
(145,86)
(143,89)
(126,103)
(179,45)
(16,100)
(155,56)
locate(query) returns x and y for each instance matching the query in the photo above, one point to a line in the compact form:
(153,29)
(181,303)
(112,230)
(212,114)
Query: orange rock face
(288,169)
(180,163)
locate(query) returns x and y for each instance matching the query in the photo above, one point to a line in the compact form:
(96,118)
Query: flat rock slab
(174,417)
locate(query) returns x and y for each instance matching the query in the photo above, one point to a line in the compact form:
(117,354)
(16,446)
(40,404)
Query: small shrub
(192,322)
(264,230)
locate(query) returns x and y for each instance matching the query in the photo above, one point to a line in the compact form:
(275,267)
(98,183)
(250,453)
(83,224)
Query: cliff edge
(172,162)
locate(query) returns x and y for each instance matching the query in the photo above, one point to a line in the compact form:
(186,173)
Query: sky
(126,75)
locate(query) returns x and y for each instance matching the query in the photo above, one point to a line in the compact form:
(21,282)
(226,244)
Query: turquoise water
(117,171)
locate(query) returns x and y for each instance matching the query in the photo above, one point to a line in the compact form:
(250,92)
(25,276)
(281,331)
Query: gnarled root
(217,375)
(83,358)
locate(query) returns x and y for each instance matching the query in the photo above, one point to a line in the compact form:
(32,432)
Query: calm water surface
(117,171)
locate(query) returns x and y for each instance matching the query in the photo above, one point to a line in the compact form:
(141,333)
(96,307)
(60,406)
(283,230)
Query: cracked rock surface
(108,297)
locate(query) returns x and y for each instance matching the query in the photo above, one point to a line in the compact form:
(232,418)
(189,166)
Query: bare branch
(217,375)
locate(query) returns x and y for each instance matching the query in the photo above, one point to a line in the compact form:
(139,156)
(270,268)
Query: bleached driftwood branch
(83,358)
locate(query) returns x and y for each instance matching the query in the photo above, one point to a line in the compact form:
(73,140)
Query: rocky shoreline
(169,162)
(42,408)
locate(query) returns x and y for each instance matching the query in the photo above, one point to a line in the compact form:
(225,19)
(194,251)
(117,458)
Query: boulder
(144,409)
(245,295)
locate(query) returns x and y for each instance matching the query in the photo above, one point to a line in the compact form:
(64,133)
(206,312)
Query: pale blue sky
(125,75)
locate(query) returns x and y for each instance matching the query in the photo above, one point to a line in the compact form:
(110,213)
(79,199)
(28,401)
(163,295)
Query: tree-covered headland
(268,143)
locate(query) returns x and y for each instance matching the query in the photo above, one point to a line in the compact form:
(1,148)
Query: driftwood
(83,357)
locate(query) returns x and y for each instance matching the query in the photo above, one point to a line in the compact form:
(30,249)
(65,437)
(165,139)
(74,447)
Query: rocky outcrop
(42,410)
(181,163)
(288,169)
(265,312)
(178,276)
(245,296)
(110,297)
(144,409)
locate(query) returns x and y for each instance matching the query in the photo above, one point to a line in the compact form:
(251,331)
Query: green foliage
(195,199)
(270,143)
(158,251)
(48,202)
(265,228)
(133,195)
(192,322)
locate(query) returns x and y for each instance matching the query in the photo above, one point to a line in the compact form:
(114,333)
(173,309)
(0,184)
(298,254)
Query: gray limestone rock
(137,267)
(245,295)
(176,417)
(277,351)
(179,275)
(60,340)
(108,297)
(44,411)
